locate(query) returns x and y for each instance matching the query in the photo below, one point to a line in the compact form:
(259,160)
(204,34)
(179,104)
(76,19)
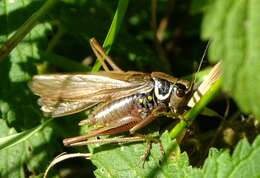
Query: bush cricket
(123,101)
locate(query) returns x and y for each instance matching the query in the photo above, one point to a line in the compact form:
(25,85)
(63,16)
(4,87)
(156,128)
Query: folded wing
(64,94)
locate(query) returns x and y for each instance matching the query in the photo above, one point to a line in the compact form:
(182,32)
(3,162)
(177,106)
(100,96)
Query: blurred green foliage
(158,35)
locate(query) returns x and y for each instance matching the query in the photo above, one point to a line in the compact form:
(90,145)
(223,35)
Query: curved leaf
(124,160)
(243,163)
(234,29)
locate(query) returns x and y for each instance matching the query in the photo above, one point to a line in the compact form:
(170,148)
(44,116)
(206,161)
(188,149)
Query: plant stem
(19,35)
(189,117)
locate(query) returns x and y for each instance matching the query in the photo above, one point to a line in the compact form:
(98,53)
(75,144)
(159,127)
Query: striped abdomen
(139,105)
(113,110)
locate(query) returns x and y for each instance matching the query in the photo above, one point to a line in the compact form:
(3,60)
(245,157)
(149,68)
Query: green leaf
(9,9)
(124,160)
(11,158)
(23,55)
(36,158)
(18,67)
(234,29)
(21,148)
(19,112)
(15,98)
(12,140)
(243,163)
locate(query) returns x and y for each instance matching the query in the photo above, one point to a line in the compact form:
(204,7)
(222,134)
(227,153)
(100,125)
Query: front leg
(168,114)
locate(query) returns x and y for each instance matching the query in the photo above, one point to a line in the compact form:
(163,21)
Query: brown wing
(64,94)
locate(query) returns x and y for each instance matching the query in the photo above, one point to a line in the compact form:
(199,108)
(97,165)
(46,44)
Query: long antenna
(201,61)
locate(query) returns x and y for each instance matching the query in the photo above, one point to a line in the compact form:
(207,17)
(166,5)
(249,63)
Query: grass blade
(114,29)
(12,140)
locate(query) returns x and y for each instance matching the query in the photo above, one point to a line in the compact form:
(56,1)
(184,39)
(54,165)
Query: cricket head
(175,92)
(180,95)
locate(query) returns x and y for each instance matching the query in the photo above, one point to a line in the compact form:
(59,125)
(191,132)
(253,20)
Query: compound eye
(180,90)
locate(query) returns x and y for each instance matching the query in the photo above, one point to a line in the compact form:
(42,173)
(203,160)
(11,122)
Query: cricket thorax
(162,89)
(145,104)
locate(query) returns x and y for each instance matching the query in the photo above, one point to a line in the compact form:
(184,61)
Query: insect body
(124,101)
